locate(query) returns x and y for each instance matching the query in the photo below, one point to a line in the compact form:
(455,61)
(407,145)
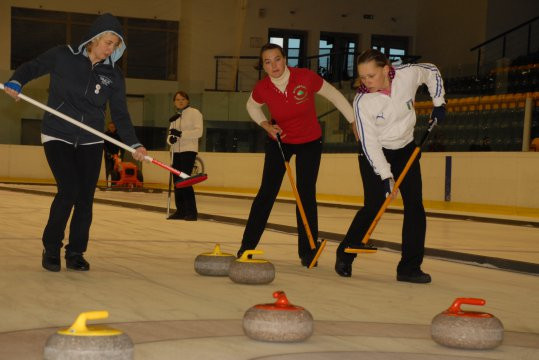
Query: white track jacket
(190,124)
(384,121)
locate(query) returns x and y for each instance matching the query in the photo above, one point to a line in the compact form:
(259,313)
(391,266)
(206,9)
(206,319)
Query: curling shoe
(75,261)
(416,277)
(190,217)
(343,268)
(306,261)
(51,261)
(176,216)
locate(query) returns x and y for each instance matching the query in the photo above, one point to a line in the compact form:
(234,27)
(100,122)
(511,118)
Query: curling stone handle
(217,250)
(79,326)
(455,307)
(282,300)
(246,253)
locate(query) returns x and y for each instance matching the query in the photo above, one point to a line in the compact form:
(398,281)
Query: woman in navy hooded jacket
(82,81)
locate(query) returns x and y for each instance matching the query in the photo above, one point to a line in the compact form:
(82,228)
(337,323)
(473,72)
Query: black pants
(184,197)
(76,171)
(307,164)
(414,224)
(109,166)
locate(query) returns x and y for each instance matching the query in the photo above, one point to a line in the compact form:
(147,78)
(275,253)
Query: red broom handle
(97,133)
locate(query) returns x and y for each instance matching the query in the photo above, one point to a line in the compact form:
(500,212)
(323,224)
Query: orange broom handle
(389,198)
(296,194)
(398,182)
(300,206)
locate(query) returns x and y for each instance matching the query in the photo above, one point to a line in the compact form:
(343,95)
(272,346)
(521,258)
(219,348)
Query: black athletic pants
(307,164)
(414,224)
(76,171)
(184,197)
(109,167)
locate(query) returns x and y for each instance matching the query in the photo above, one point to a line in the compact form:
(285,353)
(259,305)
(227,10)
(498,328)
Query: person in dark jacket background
(82,81)
(110,150)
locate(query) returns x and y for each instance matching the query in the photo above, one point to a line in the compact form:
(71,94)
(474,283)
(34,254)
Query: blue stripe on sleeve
(433,68)
(360,123)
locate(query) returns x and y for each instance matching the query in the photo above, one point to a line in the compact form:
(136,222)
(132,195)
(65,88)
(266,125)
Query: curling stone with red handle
(278,322)
(216,263)
(467,329)
(246,270)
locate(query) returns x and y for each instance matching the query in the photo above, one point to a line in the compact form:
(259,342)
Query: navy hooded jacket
(81,90)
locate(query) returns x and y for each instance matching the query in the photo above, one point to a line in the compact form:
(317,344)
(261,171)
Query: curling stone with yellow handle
(278,322)
(216,263)
(246,270)
(83,342)
(466,329)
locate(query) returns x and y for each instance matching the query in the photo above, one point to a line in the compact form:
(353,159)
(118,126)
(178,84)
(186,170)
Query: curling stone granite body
(68,347)
(215,263)
(279,322)
(251,271)
(467,329)
(89,343)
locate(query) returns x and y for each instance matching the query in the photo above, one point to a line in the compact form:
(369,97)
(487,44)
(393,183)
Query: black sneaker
(51,261)
(77,262)
(343,268)
(176,216)
(190,217)
(306,261)
(417,277)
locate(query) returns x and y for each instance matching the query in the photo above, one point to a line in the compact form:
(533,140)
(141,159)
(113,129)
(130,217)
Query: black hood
(104,23)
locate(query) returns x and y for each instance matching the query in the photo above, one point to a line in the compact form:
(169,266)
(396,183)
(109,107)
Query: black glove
(174,132)
(389,183)
(172,139)
(174,117)
(438,113)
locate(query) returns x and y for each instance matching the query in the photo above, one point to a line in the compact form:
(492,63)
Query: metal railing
(517,41)
(241,74)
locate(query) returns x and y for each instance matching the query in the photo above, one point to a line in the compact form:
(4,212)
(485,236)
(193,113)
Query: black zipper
(77,138)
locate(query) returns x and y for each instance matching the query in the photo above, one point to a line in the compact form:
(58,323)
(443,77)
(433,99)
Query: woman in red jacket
(289,95)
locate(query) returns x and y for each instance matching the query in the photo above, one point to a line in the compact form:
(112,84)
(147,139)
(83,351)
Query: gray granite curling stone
(251,271)
(467,329)
(89,343)
(215,263)
(278,322)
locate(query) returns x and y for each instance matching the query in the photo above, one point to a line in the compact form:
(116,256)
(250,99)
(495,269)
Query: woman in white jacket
(385,120)
(184,131)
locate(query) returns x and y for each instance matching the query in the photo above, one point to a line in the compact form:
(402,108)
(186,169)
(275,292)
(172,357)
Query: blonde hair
(96,39)
(371,55)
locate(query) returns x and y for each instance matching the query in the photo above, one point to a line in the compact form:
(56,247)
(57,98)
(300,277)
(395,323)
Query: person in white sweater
(385,120)
(184,131)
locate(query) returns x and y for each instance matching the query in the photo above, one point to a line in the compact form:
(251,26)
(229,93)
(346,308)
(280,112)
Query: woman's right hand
(272,129)
(11,89)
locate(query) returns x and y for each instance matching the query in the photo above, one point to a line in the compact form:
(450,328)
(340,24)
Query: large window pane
(152,45)
(45,35)
(277,40)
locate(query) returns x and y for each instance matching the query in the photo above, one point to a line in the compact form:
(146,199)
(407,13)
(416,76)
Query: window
(337,53)
(293,44)
(152,45)
(394,47)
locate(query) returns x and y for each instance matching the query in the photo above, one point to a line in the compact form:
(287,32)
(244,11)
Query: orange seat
(534,146)
(128,173)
